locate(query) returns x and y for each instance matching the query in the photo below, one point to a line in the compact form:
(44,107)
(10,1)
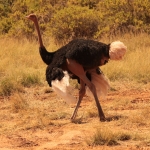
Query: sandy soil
(66,135)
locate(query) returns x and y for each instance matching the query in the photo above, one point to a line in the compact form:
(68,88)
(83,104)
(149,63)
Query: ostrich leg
(100,111)
(81,94)
(78,70)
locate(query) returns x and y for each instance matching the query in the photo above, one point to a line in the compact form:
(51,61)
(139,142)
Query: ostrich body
(79,58)
(81,52)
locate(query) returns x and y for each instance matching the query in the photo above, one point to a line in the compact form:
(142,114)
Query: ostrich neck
(39,34)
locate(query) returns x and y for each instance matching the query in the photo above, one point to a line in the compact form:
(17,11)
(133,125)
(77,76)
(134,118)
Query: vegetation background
(32,116)
(63,20)
(67,19)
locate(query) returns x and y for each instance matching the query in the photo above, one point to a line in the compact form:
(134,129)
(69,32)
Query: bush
(73,22)
(122,16)
(69,19)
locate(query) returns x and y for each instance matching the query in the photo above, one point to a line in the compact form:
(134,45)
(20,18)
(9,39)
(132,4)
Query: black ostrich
(80,59)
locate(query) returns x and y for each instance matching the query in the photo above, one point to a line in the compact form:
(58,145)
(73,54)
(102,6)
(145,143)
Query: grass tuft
(78,120)
(123,136)
(57,116)
(103,137)
(9,86)
(18,103)
(28,80)
(92,112)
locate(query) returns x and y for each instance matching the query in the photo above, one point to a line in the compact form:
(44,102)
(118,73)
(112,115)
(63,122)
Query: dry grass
(134,67)
(28,106)
(21,65)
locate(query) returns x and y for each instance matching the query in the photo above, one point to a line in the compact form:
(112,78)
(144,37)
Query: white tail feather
(101,83)
(63,89)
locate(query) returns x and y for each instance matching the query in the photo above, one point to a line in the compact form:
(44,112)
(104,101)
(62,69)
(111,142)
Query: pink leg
(78,70)
(81,94)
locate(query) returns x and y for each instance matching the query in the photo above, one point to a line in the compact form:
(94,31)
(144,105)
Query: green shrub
(69,19)
(74,22)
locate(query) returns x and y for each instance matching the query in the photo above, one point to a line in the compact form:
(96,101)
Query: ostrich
(79,59)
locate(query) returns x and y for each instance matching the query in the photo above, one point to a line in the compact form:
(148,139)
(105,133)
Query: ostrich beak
(27,17)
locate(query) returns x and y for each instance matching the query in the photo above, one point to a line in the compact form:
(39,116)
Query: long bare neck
(38,32)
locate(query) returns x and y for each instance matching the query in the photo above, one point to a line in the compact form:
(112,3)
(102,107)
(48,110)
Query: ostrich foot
(103,119)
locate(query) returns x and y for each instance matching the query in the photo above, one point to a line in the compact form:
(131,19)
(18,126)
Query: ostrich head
(117,50)
(32,17)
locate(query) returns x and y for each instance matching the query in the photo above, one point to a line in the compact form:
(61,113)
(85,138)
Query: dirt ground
(62,134)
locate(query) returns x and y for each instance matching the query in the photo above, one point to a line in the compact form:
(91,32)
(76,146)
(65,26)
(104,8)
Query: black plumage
(88,53)
(45,55)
